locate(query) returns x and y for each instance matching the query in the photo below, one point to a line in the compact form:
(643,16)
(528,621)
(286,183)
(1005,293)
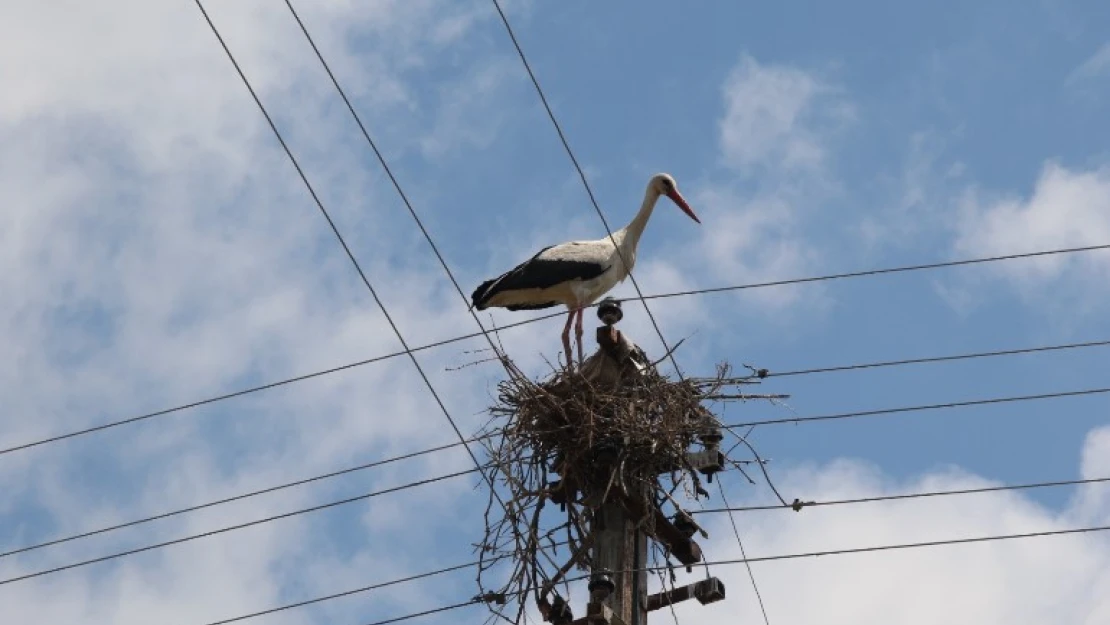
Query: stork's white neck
(635,228)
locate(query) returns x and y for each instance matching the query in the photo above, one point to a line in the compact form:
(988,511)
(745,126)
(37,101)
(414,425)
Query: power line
(239,526)
(876,272)
(1058,483)
(445,608)
(219,398)
(585,183)
(388,171)
(930,543)
(915,361)
(351,256)
(743,553)
(886,411)
(347,593)
(475,439)
(427,236)
(464,441)
(877,548)
(523,322)
(217,502)
(789,556)
(937,493)
(745,559)
(478,438)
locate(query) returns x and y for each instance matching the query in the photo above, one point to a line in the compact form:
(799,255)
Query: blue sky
(157,248)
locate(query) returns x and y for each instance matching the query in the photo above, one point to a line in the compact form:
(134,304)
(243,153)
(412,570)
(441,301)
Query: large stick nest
(649,421)
(607,431)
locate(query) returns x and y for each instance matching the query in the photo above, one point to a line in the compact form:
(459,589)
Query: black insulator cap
(711,436)
(601,580)
(609,311)
(684,524)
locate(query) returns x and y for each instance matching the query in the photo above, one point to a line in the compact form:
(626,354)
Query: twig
(668,354)
(762,466)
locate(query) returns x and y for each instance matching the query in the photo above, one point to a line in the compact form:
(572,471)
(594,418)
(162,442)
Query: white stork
(577,273)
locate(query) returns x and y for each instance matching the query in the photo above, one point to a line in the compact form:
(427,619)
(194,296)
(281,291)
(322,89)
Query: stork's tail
(480,295)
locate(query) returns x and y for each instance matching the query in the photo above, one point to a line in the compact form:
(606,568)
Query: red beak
(678,199)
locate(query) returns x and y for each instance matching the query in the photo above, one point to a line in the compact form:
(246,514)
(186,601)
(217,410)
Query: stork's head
(664,184)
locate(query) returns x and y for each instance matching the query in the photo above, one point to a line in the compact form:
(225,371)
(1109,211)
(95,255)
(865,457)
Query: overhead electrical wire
(904,496)
(470,471)
(744,553)
(733,561)
(477,438)
(877,272)
(889,411)
(443,447)
(464,337)
(355,591)
(212,400)
(878,548)
(389,173)
(446,608)
(463,441)
(412,211)
(339,237)
(640,294)
(914,545)
(226,500)
(934,359)
(347,593)
(238,526)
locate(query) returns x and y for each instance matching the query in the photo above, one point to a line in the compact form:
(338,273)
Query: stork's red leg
(566,336)
(578,334)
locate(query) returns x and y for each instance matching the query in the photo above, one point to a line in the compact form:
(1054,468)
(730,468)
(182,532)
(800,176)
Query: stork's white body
(578,273)
(601,256)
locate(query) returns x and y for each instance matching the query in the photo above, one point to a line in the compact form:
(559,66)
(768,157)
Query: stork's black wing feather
(536,273)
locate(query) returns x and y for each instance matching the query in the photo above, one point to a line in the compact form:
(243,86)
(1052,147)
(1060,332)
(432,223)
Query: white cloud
(1029,581)
(780,121)
(759,242)
(774,116)
(1067,208)
(156,248)
(935,204)
(1062,579)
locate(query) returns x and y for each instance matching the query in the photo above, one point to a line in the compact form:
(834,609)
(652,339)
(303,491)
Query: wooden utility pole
(618,582)
(618,585)
(619,555)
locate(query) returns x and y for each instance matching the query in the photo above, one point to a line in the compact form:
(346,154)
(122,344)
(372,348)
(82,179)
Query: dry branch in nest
(614,428)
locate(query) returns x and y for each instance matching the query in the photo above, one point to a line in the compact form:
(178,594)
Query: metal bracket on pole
(707,591)
(707,462)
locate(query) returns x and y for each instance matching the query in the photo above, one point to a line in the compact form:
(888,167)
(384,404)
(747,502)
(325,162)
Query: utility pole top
(585,454)
(618,584)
